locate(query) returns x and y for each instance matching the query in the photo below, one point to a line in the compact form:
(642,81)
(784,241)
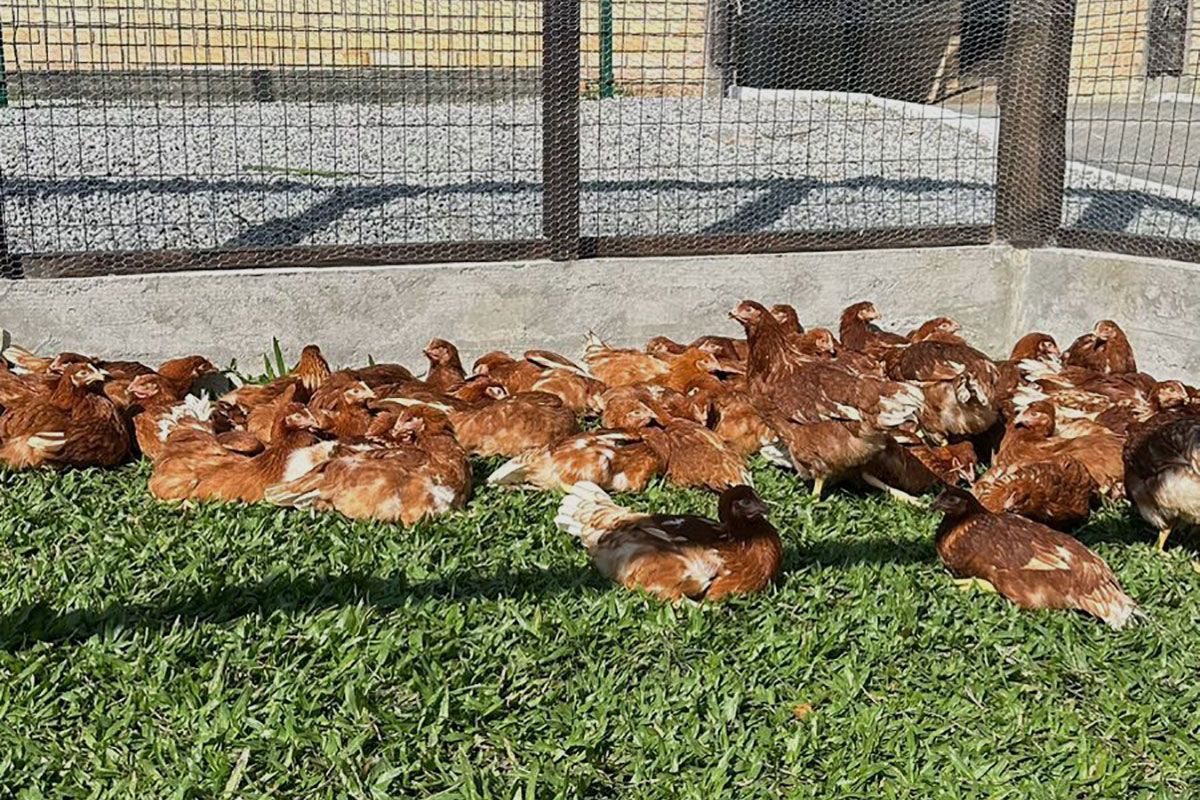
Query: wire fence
(143,135)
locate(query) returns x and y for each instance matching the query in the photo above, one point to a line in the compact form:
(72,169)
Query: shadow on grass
(875,551)
(40,622)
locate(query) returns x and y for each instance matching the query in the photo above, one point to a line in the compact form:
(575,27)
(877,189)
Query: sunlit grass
(152,651)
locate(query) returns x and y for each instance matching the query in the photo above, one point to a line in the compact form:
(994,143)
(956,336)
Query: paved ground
(1156,138)
(142,177)
(1135,161)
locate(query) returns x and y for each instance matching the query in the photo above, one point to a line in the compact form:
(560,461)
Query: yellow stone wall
(1109,53)
(659,46)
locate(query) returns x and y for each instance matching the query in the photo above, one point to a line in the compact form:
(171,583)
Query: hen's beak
(758,507)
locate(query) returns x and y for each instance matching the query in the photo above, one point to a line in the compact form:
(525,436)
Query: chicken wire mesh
(137,126)
(152,134)
(1133,126)
(759,116)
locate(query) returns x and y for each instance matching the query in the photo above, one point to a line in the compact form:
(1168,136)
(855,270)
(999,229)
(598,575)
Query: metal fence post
(607,82)
(1032,149)
(560,127)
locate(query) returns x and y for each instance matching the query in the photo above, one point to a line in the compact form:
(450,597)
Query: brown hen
(1032,438)
(418,471)
(612,459)
(194,465)
(694,456)
(1105,350)
(673,557)
(1031,565)
(446,371)
(958,383)
(73,425)
(831,422)
(622,366)
(858,331)
(1055,491)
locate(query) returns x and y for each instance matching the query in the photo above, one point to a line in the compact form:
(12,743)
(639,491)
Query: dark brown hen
(1162,473)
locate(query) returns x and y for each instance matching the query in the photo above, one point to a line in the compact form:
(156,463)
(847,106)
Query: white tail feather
(967,389)
(411,402)
(849,412)
(192,409)
(47,441)
(775,453)
(282,494)
(513,472)
(583,508)
(1118,610)
(1025,396)
(15,354)
(1036,370)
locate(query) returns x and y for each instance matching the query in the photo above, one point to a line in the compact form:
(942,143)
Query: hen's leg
(818,486)
(967,584)
(897,494)
(1161,546)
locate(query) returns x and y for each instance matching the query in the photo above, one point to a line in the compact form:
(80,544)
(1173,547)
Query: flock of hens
(904,414)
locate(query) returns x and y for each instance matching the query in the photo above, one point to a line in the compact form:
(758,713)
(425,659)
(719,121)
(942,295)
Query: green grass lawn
(223,651)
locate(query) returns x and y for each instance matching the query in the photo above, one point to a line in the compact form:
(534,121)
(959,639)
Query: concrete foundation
(1157,302)
(389,313)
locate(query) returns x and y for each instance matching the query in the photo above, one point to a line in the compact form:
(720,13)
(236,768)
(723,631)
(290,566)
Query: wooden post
(560,127)
(717,48)
(1032,150)
(10,264)
(3,74)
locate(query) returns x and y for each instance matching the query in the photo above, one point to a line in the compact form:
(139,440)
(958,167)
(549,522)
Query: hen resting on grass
(906,414)
(1031,565)
(673,557)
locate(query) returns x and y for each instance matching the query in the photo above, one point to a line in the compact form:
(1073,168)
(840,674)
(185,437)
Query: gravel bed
(143,177)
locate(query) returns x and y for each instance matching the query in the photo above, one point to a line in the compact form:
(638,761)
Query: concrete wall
(1064,292)
(997,293)
(390,313)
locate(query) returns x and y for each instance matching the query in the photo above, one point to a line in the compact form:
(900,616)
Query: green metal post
(606,49)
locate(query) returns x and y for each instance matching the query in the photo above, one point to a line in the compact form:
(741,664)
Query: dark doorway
(983,24)
(890,48)
(1168,38)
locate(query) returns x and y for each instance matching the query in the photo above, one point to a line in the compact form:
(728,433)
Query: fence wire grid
(142,135)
